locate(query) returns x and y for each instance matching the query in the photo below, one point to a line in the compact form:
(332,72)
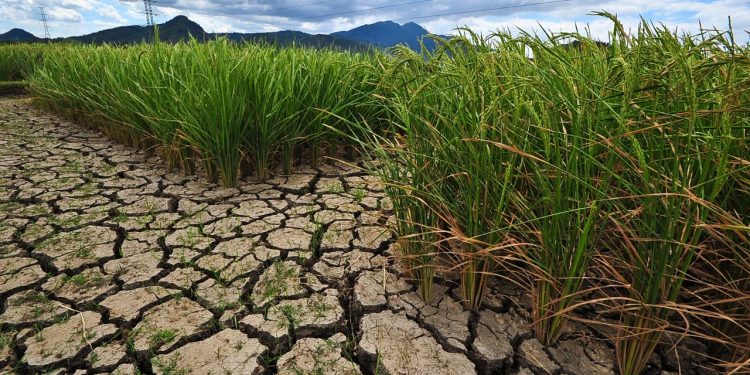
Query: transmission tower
(44,22)
(148,10)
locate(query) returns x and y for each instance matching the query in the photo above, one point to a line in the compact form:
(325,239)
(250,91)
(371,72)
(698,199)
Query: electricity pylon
(148,10)
(44,22)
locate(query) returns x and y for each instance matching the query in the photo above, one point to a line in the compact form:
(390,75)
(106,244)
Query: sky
(77,17)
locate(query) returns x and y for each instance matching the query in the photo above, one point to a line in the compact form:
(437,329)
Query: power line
(272,9)
(483,10)
(44,22)
(393,6)
(301,5)
(361,11)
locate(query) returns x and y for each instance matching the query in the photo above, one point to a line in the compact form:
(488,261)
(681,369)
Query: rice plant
(17,61)
(455,184)
(678,114)
(625,150)
(217,104)
(569,175)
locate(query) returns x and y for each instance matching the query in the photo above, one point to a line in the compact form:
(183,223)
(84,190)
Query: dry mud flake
(338,236)
(199,217)
(254,209)
(183,278)
(83,247)
(327,217)
(495,332)
(227,268)
(190,237)
(164,220)
(134,247)
(592,358)
(36,231)
(126,369)
(8,229)
(297,183)
(224,228)
(17,272)
(235,258)
(275,325)
(450,321)
(399,346)
(227,352)
(69,204)
(126,305)
(8,251)
(340,203)
(31,307)
(6,356)
(371,288)
(281,279)
(220,295)
(372,237)
(333,266)
(64,341)
(84,287)
(317,314)
(68,220)
(146,205)
(240,247)
(221,193)
(533,355)
(290,239)
(135,269)
(149,238)
(317,356)
(106,356)
(163,326)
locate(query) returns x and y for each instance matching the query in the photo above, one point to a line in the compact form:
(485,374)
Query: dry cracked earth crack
(110,263)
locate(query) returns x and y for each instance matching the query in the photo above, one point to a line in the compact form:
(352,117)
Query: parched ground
(109,263)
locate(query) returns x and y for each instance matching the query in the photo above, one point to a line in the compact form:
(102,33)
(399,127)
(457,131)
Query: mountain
(379,35)
(177,29)
(18,35)
(181,28)
(388,34)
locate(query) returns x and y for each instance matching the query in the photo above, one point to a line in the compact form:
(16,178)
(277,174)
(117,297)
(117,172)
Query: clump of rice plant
(218,104)
(568,173)
(453,184)
(677,118)
(17,61)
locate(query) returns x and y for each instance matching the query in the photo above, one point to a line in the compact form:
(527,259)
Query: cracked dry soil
(110,263)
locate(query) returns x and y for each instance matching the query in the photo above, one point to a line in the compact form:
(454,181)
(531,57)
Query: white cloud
(111,13)
(79,4)
(84,16)
(60,14)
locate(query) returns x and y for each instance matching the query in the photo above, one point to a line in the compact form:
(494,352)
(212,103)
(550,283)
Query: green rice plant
(17,61)
(150,95)
(271,115)
(416,224)
(676,133)
(214,120)
(223,105)
(569,171)
(461,186)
